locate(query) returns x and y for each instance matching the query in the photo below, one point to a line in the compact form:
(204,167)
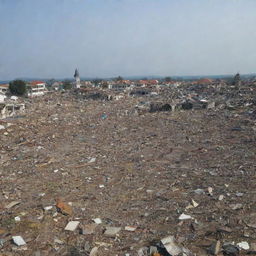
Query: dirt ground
(107,161)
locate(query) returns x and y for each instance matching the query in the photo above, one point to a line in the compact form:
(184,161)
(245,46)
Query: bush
(18,87)
(67,85)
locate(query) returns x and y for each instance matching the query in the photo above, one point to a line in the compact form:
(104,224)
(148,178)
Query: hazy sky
(106,38)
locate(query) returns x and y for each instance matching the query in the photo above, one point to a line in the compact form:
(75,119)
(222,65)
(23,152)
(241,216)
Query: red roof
(205,81)
(36,82)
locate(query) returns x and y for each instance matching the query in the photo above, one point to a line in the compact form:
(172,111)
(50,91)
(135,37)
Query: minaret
(76,76)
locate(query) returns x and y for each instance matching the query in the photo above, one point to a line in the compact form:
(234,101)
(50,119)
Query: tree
(119,78)
(18,87)
(168,79)
(67,85)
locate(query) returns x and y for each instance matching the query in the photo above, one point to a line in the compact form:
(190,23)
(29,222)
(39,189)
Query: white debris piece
(18,240)
(210,190)
(112,231)
(221,197)
(92,160)
(17,218)
(194,203)
(97,221)
(10,205)
(130,228)
(243,245)
(72,225)
(171,246)
(185,217)
(47,208)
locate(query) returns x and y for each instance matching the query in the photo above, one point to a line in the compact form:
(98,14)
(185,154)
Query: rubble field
(115,176)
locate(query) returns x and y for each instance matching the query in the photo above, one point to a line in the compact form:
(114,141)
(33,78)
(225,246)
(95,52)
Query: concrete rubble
(167,171)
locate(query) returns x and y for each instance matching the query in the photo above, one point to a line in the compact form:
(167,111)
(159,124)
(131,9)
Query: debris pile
(138,175)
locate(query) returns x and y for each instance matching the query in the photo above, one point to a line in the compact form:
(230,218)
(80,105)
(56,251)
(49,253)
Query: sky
(108,38)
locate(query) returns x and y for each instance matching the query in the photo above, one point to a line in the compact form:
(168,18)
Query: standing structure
(77,77)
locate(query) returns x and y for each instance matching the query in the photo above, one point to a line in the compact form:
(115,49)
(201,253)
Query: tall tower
(77,77)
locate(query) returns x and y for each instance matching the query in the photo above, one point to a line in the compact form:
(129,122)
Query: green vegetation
(67,85)
(18,87)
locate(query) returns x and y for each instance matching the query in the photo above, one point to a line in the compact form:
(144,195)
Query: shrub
(17,87)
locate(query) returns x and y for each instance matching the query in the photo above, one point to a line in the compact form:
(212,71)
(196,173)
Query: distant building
(4,88)
(78,81)
(36,88)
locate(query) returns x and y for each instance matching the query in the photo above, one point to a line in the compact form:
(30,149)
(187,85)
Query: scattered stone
(221,197)
(215,248)
(18,240)
(17,218)
(184,216)
(224,229)
(243,245)
(2,241)
(57,241)
(97,221)
(250,220)
(12,204)
(72,225)
(48,208)
(88,229)
(236,206)
(112,231)
(230,250)
(94,251)
(199,191)
(210,191)
(63,207)
(92,160)
(130,228)
(173,248)
(143,251)
(194,203)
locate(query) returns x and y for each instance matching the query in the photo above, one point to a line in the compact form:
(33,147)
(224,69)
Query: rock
(88,229)
(221,197)
(236,206)
(112,231)
(2,241)
(57,241)
(97,221)
(243,245)
(194,203)
(215,248)
(2,127)
(199,191)
(18,240)
(63,207)
(72,225)
(253,248)
(184,217)
(17,218)
(48,208)
(173,248)
(10,205)
(224,229)
(210,191)
(250,220)
(130,228)
(94,251)
(92,160)
(152,250)
(230,250)
(143,251)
